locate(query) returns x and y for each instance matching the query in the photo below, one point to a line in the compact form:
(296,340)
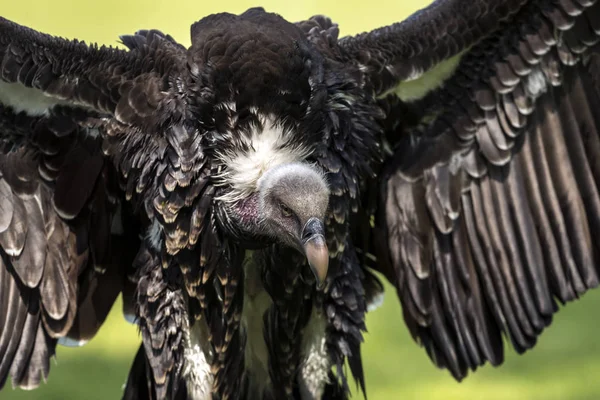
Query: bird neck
(240,221)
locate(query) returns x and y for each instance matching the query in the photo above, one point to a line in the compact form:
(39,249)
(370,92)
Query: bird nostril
(312,227)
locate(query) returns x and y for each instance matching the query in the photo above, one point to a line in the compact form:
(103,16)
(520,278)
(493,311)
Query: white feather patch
(196,368)
(197,358)
(21,98)
(535,83)
(314,372)
(268,148)
(154,235)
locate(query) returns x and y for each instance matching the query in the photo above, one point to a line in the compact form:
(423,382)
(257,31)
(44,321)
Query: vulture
(243,194)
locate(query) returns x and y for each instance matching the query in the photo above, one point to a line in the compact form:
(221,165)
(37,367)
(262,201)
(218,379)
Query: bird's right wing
(60,271)
(39,71)
(61,196)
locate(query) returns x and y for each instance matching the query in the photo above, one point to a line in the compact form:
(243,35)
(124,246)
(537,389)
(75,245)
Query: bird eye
(285,210)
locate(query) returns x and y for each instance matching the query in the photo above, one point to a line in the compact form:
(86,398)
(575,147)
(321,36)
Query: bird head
(288,207)
(292,201)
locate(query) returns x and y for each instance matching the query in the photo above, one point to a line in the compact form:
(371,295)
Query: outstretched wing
(60,271)
(489,208)
(135,86)
(416,55)
(62,205)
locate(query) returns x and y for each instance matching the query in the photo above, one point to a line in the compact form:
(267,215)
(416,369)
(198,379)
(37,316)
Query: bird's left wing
(412,57)
(489,208)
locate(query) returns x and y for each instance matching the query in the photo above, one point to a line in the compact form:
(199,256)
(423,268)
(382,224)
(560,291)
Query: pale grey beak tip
(317,255)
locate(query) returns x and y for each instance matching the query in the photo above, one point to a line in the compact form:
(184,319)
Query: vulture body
(240,193)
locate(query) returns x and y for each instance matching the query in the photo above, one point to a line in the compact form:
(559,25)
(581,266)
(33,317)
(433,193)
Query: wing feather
(430,38)
(54,290)
(13,240)
(26,342)
(490,206)
(16,314)
(38,365)
(53,269)
(6,205)
(29,264)
(39,71)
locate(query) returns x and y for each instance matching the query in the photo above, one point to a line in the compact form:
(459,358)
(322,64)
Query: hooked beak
(315,249)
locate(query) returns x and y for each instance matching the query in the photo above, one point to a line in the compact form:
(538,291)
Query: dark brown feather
(23,354)
(406,49)
(76,182)
(29,265)
(43,256)
(530,200)
(105,79)
(6,205)
(39,362)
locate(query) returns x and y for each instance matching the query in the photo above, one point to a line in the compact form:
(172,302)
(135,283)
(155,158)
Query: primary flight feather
(240,193)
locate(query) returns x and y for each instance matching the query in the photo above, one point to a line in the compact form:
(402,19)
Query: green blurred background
(564,365)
